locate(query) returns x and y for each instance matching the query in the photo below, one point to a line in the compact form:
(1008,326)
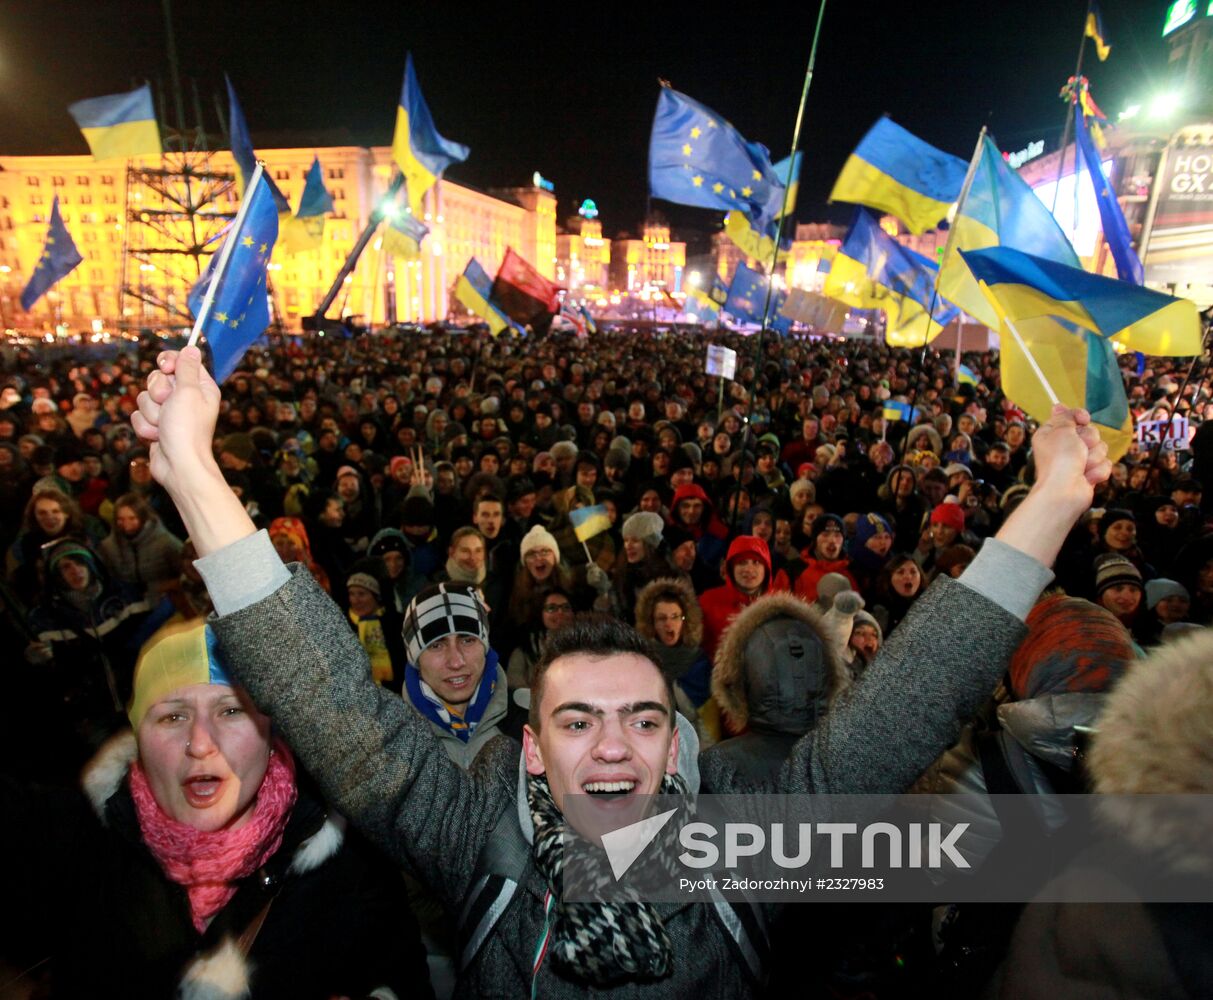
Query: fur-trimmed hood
(646,601)
(1155,742)
(751,693)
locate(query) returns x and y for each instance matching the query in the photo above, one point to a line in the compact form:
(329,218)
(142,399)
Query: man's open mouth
(609,789)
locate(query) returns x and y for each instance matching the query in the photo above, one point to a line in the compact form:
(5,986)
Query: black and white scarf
(601,942)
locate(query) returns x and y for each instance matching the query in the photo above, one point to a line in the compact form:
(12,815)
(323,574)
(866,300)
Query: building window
(81,181)
(336,173)
(107,179)
(110,198)
(86,199)
(338,194)
(35,199)
(92,255)
(96,273)
(58,181)
(32,181)
(282,175)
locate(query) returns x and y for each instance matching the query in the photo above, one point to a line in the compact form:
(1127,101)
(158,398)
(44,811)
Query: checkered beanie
(441,610)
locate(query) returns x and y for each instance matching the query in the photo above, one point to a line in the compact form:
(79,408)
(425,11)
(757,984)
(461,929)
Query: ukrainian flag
(1095,31)
(873,271)
(1067,319)
(897,410)
(998,210)
(966,375)
(304,230)
(420,152)
(119,125)
(705,304)
(474,289)
(896,172)
(590,521)
(403,236)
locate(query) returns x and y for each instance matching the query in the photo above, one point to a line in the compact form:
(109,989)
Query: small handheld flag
(896,410)
(966,375)
(59,258)
(230,301)
(118,126)
(589,521)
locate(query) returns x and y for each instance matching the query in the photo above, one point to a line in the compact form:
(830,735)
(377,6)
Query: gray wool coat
(380,764)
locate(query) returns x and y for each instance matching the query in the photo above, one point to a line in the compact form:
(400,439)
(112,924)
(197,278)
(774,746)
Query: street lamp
(1165,105)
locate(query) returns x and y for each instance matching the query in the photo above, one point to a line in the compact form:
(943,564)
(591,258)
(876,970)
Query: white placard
(1175,437)
(721,361)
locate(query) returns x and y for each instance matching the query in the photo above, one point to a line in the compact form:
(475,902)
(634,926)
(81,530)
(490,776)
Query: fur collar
(646,601)
(728,668)
(1153,742)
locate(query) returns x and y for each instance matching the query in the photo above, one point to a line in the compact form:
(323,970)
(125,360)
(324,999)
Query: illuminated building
(463,223)
(652,262)
(583,254)
(814,241)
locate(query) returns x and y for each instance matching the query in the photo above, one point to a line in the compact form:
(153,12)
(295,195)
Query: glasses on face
(558,609)
(668,619)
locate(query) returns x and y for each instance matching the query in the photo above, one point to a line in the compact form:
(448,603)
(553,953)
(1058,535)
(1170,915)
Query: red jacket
(815,569)
(721,604)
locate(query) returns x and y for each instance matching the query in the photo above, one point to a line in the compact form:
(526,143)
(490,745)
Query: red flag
(522,292)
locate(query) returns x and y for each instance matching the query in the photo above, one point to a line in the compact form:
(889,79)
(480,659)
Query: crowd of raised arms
(294,628)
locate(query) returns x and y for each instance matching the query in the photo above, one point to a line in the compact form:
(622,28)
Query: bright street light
(1165,105)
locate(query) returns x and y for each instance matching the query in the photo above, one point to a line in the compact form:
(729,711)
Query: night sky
(571,93)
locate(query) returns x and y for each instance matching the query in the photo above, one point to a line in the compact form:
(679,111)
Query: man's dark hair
(597,635)
(487,498)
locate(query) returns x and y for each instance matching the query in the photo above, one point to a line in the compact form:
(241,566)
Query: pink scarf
(207,864)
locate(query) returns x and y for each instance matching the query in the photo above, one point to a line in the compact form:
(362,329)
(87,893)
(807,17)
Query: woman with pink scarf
(199,862)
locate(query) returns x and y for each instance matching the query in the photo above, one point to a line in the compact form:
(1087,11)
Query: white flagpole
(1031,360)
(225,253)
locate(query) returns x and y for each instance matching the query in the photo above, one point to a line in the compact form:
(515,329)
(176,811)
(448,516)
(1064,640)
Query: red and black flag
(523,293)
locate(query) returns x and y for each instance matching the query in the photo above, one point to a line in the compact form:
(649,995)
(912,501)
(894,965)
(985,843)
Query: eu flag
(417,147)
(59,258)
(242,149)
(748,296)
(239,311)
(698,158)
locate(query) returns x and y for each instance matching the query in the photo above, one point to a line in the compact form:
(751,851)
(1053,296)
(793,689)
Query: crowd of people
(462,516)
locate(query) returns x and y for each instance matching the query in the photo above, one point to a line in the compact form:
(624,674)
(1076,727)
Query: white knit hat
(538,538)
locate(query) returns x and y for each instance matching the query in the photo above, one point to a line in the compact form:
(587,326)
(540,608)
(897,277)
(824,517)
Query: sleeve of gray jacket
(373,756)
(937,668)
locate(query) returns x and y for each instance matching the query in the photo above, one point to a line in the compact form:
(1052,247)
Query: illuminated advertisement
(1181,241)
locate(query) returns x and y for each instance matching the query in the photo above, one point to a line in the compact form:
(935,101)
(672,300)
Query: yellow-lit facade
(463,223)
(583,257)
(652,262)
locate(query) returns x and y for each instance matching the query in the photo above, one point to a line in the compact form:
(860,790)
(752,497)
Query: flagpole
(225,254)
(947,252)
(787,184)
(1031,359)
(1065,132)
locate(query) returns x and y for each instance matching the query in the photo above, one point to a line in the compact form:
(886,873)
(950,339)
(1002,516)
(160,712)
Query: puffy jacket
(720,605)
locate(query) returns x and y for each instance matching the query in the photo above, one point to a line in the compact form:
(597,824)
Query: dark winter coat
(83,888)
(151,559)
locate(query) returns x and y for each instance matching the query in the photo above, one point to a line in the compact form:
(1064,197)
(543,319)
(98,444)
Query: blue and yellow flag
(748,295)
(873,271)
(698,158)
(758,241)
(119,125)
(704,304)
(240,310)
(590,326)
(1068,319)
(590,521)
(420,152)
(304,230)
(998,210)
(242,150)
(1111,216)
(1095,31)
(895,409)
(59,258)
(474,288)
(403,235)
(894,171)
(966,376)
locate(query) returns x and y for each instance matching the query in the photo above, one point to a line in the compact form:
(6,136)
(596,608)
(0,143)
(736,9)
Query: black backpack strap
(500,868)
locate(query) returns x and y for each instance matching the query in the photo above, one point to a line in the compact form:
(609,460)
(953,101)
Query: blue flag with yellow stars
(240,311)
(59,258)
(242,149)
(748,295)
(698,158)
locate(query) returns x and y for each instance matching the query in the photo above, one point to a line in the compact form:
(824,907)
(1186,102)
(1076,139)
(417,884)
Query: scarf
(461,726)
(598,943)
(370,634)
(460,575)
(208,864)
